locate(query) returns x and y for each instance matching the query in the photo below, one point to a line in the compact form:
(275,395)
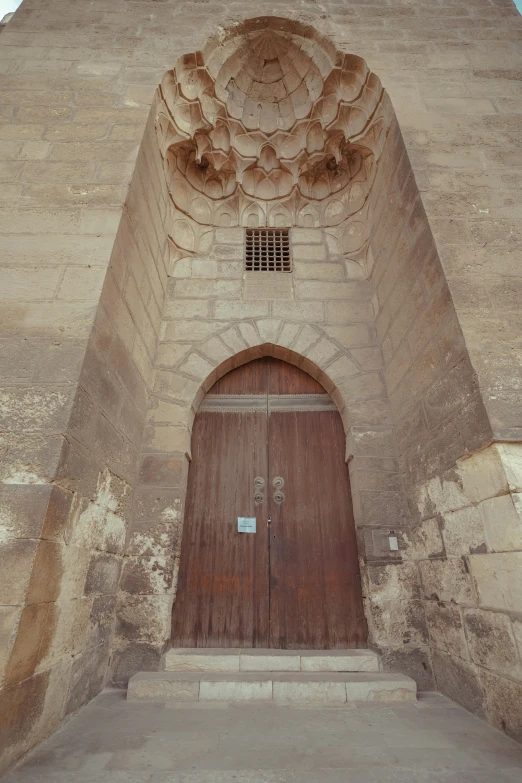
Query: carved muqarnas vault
(270,127)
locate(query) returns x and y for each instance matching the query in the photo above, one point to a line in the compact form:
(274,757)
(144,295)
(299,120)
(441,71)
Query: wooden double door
(268,443)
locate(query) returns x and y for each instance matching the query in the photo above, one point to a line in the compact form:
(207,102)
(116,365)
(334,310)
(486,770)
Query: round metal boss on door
(278,482)
(258,498)
(279,497)
(259,481)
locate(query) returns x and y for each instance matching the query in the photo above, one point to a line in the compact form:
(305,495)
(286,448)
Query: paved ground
(111,741)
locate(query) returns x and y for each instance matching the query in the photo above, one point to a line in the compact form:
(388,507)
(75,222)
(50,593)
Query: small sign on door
(246,524)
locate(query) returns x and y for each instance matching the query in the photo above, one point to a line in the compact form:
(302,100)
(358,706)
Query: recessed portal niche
(277,456)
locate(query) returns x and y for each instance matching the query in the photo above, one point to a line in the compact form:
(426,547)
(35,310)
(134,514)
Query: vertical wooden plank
(315,595)
(284,378)
(222,599)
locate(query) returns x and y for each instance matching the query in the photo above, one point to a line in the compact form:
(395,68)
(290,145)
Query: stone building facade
(139,141)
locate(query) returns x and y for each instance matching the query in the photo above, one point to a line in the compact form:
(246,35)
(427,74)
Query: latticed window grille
(267,250)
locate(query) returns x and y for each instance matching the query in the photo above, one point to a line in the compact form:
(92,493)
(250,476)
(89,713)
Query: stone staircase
(280,676)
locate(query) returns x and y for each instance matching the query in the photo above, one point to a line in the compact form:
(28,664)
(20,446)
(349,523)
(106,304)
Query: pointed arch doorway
(268,444)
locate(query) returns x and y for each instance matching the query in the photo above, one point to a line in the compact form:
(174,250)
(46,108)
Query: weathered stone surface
(447,580)
(88,676)
(497,577)
(446,629)
(463,531)
(460,681)
(503,522)
(492,643)
(414,662)
(503,703)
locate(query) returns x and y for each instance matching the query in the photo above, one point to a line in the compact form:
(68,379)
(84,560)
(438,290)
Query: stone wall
(319,317)
(73,421)
(77,86)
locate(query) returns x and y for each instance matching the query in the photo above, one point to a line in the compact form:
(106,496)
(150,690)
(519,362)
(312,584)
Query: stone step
(278,687)
(259,660)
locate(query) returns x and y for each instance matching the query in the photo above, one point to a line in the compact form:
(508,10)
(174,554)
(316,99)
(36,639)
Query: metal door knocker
(278,482)
(258,498)
(278,497)
(259,481)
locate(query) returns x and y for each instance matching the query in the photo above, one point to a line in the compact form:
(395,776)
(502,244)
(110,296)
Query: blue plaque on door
(246,524)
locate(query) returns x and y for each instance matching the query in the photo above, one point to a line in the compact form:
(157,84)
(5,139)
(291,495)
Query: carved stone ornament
(270,126)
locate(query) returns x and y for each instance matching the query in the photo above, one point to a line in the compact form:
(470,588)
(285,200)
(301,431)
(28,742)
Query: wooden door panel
(222,598)
(315,595)
(296,584)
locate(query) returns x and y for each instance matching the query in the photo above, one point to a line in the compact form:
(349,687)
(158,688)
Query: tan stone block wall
(470,581)
(77,85)
(64,521)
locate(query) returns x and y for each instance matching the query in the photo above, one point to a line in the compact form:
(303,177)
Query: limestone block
(311,312)
(216,350)
(492,642)
(147,575)
(288,334)
(396,623)
(182,309)
(88,677)
(322,352)
(144,618)
(232,310)
(463,531)
(166,471)
(165,438)
(440,495)
(307,236)
(202,661)
(17,557)
(459,680)
(498,582)
(230,236)
(232,270)
(235,690)
(393,582)
(272,662)
(228,252)
(268,329)
(502,517)
(9,619)
(204,267)
(309,252)
(196,366)
(351,336)
(503,703)
(232,339)
(306,270)
(342,369)
(309,692)
(483,474)
(307,337)
(103,573)
(33,638)
(396,689)
(446,629)
(354,661)
(424,540)
(415,662)
(142,688)
(447,580)
(175,387)
(350,311)
(511,457)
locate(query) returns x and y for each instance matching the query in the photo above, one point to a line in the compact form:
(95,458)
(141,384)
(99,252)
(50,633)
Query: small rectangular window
(267,250)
